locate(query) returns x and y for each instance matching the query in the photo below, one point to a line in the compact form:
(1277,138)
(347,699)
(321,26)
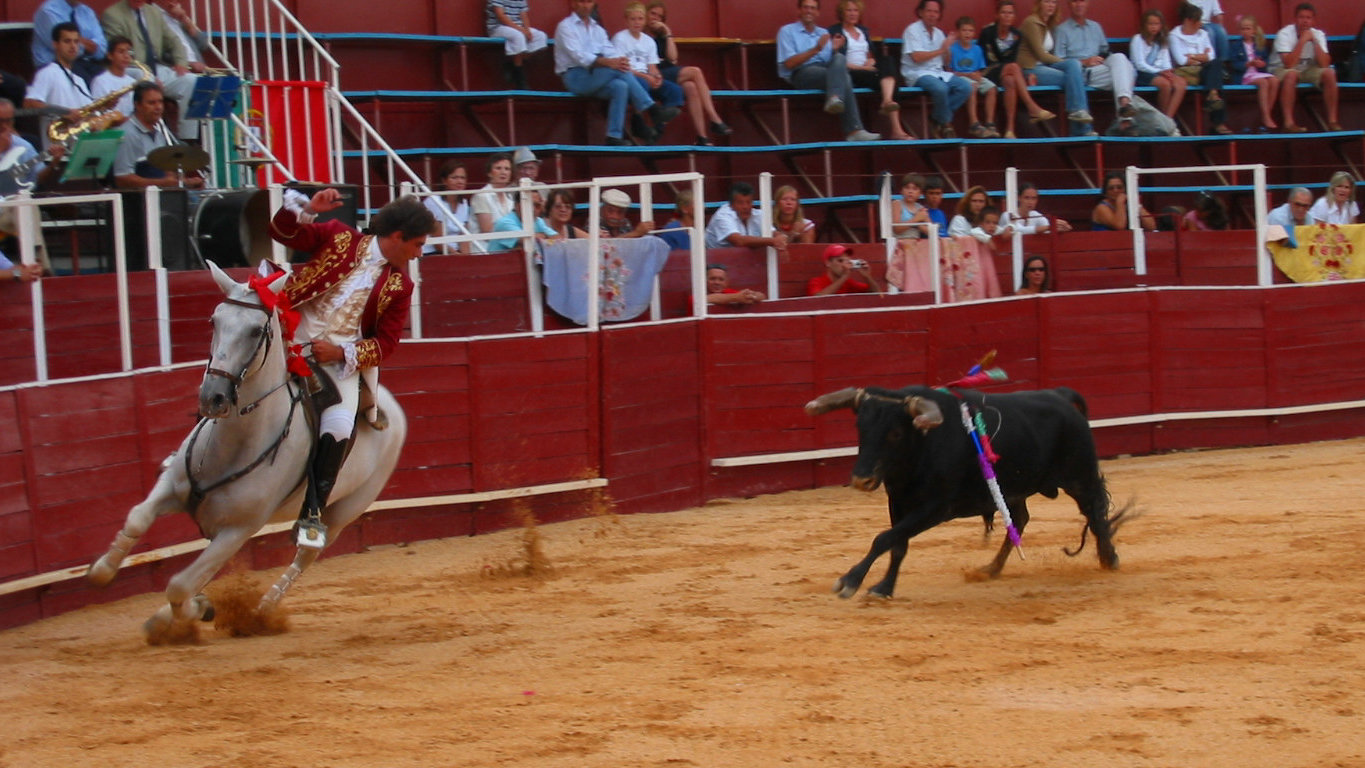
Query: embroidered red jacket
(337,250)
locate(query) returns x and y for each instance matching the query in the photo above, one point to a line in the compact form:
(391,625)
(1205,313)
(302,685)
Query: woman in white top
(451,212)
(494,199)
(1029,220)
(789,219)
(968,212)
(1338,205)
(1152,59)
(864,68)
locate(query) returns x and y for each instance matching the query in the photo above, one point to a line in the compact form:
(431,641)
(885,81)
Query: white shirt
(1148,58)
(1183,45)
(918,39)
(578,43)
(60,87)
(856,49)
(1287,38)
(107,82)
(450,219)
(642,51)
(491,200)
(959,227)
(1024,226)
(1330,213)
(725,222)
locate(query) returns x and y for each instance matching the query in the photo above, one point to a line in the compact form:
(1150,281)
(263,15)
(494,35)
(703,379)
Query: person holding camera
(842,275)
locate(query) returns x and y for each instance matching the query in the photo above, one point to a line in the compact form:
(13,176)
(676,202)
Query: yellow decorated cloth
(1325,252)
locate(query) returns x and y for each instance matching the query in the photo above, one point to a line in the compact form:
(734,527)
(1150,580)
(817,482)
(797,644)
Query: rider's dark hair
(406,215)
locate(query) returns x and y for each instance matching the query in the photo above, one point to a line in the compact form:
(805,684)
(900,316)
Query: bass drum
(231,228)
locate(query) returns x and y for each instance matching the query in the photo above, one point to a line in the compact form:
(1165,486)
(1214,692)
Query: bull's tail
(1116,518)
(1072,396)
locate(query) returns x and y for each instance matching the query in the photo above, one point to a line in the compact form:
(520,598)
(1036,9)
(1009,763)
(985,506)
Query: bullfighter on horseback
(353,296)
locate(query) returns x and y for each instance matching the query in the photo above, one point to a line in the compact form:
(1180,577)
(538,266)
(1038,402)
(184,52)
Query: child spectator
(1192,52)
(1247,59)
(966,59)
(511,20)
(933,199)
(908,213)
(643,54)
(788,218)
(1208,213)
(1151,57)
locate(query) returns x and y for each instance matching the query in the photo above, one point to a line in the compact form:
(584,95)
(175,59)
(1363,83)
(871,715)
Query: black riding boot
(322,476)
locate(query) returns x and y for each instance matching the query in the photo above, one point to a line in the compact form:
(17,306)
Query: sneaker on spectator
(834,105)
(944,131)
(864,135)
(1080,116)
(978,131)
(617,141)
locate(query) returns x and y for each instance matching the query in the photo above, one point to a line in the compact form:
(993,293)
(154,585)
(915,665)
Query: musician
(56,85)
(117,76)
(20,166)
(157,47)
(143,133)
(89,59)
(353,295)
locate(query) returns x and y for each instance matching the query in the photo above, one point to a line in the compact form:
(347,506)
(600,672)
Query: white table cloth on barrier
(628,266)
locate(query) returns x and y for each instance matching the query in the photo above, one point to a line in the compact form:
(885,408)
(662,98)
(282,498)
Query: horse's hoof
(100,573)
(209,613)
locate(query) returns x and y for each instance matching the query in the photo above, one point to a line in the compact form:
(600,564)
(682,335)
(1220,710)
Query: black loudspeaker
(176,250)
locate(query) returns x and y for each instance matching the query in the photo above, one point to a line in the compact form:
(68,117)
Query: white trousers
(515,42)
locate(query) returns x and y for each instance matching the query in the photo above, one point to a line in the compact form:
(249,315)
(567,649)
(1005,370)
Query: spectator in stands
(157,47)
(735,225)
(144,132)
(969,208)
(559,211)
(1247,60)
(31,171)
(678,232)
(1037,278)
(788,218)
(1208,214)
(511,20)
(841,275)
(1211,13)
(643,53)
(967,60)
(1294,212)
(718,290)
(91,46)
(526,163)
(1192,53)
(615,220)
(1151,57)
(808,56)
(494,198)
(1082,39)
(116,74)
(1000,43)
(1304,58)
(1111,213)
(924,48)
(56,88)
(451,212)
(591,66)
(1029,220)
(1338,204)
(191,37)
(908,214)
(933,202)
(512,221)
(868,64)
(1038,62)
(696,93)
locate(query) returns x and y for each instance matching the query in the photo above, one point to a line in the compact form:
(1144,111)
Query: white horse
(244,465)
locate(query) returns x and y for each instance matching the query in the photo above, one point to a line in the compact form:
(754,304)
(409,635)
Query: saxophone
(95,116)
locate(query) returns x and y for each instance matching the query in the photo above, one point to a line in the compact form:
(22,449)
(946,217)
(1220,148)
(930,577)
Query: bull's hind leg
(1019,515)
(161,501)
(1093,500)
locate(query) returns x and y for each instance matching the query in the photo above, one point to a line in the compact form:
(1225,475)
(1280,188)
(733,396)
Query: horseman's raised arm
(293,224)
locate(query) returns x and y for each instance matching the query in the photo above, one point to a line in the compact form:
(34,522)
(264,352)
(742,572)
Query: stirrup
(310,533)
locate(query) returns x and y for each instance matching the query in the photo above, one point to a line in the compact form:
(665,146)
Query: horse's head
(243,329)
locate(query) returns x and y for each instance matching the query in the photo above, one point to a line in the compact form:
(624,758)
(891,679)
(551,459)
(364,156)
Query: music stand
(93,156)
(214,97)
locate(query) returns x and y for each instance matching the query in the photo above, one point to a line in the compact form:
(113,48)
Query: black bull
(913,441)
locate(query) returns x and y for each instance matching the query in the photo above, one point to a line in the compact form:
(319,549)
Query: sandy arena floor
(1234,635)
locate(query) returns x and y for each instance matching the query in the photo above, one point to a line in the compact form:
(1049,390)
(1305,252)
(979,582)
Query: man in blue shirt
(591,66)
(93,45)
(806,59)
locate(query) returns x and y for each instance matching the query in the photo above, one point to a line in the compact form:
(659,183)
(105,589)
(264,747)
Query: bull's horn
(926,412)
(844,398)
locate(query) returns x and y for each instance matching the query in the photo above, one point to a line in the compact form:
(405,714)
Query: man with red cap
(841,275)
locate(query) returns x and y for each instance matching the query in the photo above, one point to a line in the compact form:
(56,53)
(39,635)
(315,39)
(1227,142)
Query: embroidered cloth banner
(628,266)
(966,266)
(1324,252)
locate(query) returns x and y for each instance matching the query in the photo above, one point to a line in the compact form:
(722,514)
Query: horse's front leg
(161,501)
(184,598)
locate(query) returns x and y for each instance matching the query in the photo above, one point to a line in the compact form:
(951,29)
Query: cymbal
(181,157)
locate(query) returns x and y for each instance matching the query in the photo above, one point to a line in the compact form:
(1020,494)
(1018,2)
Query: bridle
(263,340)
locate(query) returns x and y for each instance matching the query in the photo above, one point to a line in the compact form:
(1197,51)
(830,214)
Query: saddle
(321,393)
